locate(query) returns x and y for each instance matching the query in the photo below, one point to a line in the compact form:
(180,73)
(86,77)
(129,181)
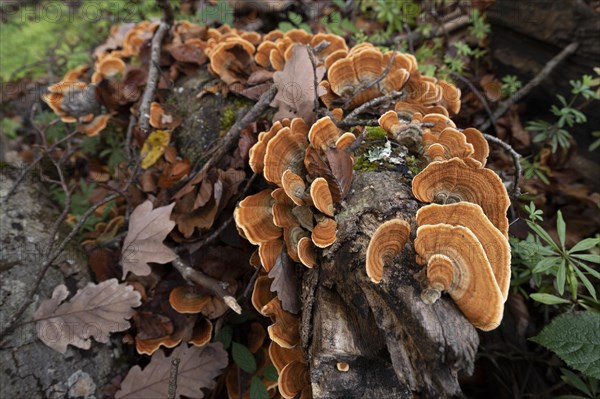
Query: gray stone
(30,369)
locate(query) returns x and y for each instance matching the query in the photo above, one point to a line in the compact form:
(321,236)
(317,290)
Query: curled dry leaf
(296,86)
(198,368)
(285,283)
(144,241)
(94,311)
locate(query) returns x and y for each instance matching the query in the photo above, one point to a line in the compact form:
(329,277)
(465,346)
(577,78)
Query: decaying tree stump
(395,345)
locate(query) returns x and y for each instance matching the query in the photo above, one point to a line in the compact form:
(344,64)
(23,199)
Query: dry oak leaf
(198,368)
(94,311)
(285,283)
(296,86)
(144,241)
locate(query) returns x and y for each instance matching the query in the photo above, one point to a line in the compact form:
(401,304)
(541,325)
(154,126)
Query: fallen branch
(515,189)
(153,75)
(533,83)
(217,287)
(479,96)
(373,103)
(313,51)
(233,135)
(173,378)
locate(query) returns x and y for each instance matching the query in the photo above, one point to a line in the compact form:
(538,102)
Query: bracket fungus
(450,143)
(471,216)
(387,242)
(456,263)
(184,300)
(321,196)
(464,180)
(293,380)
(254,217)
(285,329)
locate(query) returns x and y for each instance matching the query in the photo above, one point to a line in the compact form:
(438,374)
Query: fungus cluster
(462,236)
(354,78)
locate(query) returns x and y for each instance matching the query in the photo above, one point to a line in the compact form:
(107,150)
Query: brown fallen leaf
(296,86)
(94,311)
(197,369)
(285,282)
(144,241)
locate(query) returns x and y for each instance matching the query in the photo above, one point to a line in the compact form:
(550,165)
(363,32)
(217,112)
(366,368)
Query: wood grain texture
(396,345)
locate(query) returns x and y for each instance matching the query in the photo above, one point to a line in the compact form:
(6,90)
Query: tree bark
(395,345)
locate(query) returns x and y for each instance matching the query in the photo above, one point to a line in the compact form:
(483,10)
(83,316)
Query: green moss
(363,165)
(228,118)
(375,133)
(53,36)
(411,162)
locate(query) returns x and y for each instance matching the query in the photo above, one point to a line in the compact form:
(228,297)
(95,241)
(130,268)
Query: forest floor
(537,98)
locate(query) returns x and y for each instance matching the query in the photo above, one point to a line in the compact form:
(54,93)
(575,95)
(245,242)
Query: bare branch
(201,279)
(515,189)
(533,83)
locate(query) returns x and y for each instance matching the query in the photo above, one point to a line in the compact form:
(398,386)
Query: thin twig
(201,279)
(345,124)
(533,83)
(411,44)
(129,137)
(233,135)
(153,75)
(313,51)
(32,165)
(168,14)
(11,324)
(366,87)
(515,189)
(373,103)
(173,378)
(479,96)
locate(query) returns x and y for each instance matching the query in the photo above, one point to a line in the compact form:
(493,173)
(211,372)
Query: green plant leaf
(243,357)
(584,245)
(224,336)
(561,228)
(548,299)
(546,264)
(588,257)
(575,339)
(258,389)
(574,380)
(561,277)
(589,269)
(543,234)
(270,373)
(588,284)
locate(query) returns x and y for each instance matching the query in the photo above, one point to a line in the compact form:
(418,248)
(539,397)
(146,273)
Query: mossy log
(396,346)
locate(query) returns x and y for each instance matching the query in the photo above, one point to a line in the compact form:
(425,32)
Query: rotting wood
(395,345)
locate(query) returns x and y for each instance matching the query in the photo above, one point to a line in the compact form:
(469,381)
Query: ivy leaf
(258,389)
(548,299)
(574,338)
(243,357)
